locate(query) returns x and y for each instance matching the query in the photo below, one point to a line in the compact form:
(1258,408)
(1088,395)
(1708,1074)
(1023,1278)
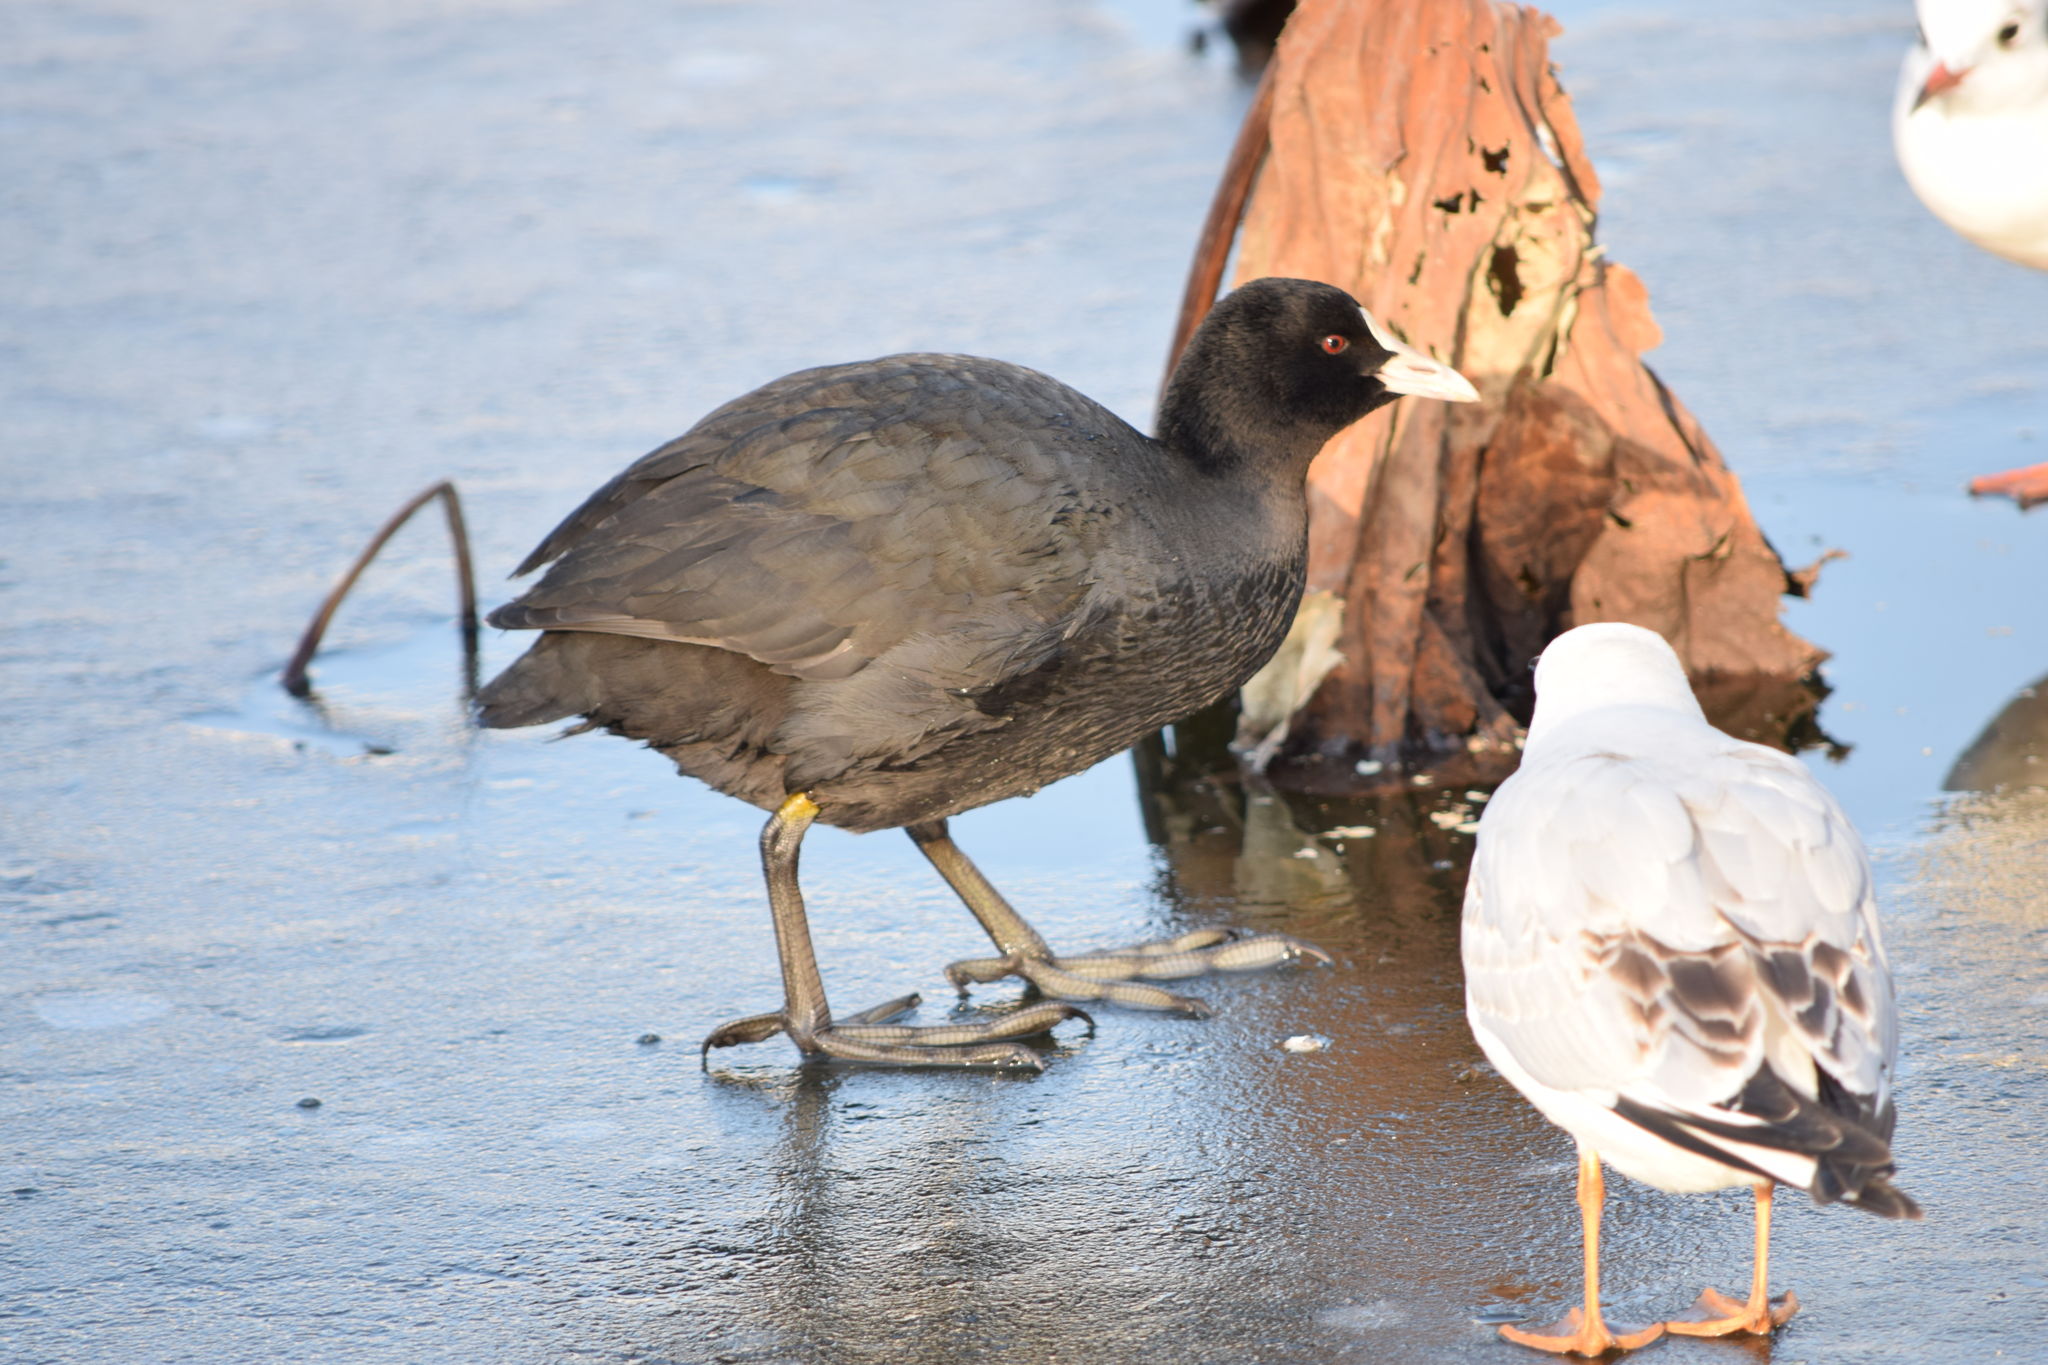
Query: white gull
(1970,122)
(1671,948)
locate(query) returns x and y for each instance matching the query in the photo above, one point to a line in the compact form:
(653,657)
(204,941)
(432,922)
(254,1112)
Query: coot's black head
(1280,366)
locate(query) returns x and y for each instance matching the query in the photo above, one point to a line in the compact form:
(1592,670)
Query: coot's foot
(868,1036)
(1119,974)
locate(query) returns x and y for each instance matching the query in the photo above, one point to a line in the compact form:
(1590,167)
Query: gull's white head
(1976,57)
(1591,668)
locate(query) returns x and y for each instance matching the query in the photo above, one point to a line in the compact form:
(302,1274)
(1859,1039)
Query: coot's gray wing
(919,512)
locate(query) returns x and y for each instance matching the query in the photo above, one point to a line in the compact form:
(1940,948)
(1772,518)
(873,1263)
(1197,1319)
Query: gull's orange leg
(2024,486)
(1584,1332)
(1717,1315)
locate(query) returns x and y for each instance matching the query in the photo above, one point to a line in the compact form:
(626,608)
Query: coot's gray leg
(1106,975)
(865,1036)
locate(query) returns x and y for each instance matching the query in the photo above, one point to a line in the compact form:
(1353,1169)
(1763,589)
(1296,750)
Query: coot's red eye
(1335,344)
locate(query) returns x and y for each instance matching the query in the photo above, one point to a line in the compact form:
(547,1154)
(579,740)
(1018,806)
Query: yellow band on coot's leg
(804,1010)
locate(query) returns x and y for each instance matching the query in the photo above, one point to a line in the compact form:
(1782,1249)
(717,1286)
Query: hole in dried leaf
(1504,279)
(1497,162)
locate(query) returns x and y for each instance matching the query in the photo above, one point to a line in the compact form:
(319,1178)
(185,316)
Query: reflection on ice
(2012,752)
(376,700)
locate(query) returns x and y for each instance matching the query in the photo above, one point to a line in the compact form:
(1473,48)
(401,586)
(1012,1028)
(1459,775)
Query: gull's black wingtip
(1886,1200)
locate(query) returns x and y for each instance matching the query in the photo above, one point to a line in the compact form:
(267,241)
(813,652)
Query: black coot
(881,594)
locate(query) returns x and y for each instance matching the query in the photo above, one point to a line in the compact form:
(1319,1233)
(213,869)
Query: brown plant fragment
(1425,158)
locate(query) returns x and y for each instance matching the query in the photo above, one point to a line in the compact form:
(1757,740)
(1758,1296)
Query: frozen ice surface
(270,269)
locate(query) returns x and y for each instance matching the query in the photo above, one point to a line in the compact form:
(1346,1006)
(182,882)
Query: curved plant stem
(1219,229)
(294,678)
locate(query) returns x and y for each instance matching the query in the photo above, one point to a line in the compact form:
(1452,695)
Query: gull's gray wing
(1691,939)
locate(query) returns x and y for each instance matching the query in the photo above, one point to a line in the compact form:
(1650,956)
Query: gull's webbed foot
(1120,975)
(2026,486)
(1577,1336)
(869,1036)
(1717,1315)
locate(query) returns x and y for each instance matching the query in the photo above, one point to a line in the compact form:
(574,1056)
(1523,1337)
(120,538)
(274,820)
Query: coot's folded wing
(919,512)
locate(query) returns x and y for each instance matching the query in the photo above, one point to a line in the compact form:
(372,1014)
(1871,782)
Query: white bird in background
(1970,123)
(1671,948)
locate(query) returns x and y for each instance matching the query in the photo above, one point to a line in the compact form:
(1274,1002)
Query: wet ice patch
(100,1009)
(269,716)
(577,1130)
(719,70)
(401,697)
(398,1145)
(231,427)
(1376,1316)
(780,190)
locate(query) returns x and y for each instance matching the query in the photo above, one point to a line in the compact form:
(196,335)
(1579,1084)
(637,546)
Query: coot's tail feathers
(714,712)
(543,684)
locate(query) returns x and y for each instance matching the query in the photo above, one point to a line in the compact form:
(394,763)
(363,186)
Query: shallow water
(271,269)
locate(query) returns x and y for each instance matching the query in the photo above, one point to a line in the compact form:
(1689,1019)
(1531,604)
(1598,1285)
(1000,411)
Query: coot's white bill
(1415,374)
